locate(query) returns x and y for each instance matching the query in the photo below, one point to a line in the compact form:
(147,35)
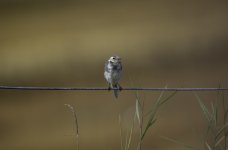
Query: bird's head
(114,59)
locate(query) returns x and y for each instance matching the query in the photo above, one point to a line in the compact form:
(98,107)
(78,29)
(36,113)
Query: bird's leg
(109,87)
(120,88)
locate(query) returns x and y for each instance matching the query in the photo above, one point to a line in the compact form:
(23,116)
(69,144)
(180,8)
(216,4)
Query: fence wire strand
(105,89)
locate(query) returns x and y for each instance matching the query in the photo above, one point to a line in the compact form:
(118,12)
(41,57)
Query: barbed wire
(105,89)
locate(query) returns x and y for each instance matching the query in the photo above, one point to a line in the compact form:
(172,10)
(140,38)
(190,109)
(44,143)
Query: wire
(103,89)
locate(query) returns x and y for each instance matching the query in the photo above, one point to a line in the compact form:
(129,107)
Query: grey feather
(112,73)
(116,92)
(106,67)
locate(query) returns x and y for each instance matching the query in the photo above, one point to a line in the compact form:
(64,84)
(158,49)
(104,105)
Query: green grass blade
(204,109)
(72,109)
(208,146)
(121,134)
(152,113)
(162,101)
(219,141)
(220,131)
(180,143)
(138,111)
(155,107)
(126,141)
(130,135)
(147,127)
(168,97)
(214,114)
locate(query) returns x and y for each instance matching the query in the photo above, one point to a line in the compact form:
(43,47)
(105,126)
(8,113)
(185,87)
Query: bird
(112,73)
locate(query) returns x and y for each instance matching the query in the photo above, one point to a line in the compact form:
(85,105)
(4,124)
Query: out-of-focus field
(65,43)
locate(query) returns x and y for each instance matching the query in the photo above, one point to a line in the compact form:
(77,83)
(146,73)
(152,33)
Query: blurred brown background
(65,43)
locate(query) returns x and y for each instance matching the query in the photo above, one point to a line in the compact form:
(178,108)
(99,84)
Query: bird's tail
(116,90)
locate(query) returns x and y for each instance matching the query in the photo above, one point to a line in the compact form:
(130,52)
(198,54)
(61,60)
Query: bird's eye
(113,58)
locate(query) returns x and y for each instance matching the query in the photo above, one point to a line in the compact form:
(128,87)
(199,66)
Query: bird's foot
(120,88)
(109,88)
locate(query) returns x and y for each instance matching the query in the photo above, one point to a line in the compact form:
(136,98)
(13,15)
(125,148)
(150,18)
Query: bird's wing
(106,66)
